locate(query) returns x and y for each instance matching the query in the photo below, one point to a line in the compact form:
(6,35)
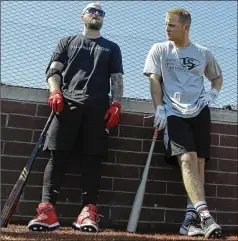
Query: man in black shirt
(81,73)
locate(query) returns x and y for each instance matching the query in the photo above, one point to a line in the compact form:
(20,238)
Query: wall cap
(128,105)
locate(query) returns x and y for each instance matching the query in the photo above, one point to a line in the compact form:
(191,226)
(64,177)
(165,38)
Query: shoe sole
(214,231)
(37,226)
(88,228)
(196,233)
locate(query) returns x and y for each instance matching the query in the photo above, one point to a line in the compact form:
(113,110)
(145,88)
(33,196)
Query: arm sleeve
(116,61)
(60,53)
(153,62)
(212,69)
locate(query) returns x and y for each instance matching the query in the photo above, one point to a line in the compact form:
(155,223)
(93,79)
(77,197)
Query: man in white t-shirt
(176,71)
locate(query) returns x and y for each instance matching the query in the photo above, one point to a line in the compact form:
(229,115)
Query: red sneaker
(45,220)
(88,219)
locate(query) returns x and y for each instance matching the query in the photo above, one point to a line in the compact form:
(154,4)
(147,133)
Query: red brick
(114,131)
(9,177)
(135,158)
(10,134)
(222,204)
(29,122)
(175,188)
(2,147)
(170,201)
(106,183)
(136,132)
(120,171)
(226,153)
(212,164)
(211,190)
(145,215)
(164,174)
(227,218)
(174,216)
(149,121)
(120,198)
(131,119)
(124,144)
(228,166)
(6,190)
(214,139)
(8,162)
(224,129)
(227,191)
(155,187)
(3,120)
(158,148)
(126,185)
(228,140)
(221,178)
(21,149)
(43,110)
(18,107)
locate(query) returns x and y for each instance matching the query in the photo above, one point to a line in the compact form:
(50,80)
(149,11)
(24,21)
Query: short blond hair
(184,15)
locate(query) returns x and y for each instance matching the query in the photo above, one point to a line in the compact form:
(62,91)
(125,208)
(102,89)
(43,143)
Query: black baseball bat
(13,199)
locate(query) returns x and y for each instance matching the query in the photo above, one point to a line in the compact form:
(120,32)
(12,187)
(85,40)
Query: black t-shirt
(88,66)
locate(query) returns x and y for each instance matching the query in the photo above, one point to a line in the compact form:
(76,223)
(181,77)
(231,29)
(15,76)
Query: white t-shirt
(182,70)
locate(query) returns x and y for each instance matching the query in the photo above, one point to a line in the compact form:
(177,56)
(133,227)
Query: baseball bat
(13,199)
(138,201)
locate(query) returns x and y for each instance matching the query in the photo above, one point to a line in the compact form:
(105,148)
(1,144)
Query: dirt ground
(20,232)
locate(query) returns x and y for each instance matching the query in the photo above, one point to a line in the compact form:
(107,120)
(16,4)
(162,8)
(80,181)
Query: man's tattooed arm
(116,87)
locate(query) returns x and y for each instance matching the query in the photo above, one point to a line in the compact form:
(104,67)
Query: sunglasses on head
(94,10)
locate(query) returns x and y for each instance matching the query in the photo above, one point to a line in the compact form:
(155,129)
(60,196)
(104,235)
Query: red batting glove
(56,101)
(113,115)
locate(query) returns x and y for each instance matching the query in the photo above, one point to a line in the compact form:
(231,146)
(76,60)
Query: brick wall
(129,143)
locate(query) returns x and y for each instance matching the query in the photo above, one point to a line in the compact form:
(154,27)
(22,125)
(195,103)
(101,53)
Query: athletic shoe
(88,219)
(191,227)
(45,220)
(211,228)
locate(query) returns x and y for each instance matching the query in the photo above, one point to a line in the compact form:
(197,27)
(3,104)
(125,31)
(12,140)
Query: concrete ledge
(40,96)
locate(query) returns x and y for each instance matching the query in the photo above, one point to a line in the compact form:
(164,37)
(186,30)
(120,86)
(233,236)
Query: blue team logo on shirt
(189,63)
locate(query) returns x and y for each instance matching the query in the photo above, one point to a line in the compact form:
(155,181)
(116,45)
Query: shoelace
(208,221)
(94,216)
(42,211)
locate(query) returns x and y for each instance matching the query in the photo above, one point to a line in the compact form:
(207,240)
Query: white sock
(202,209)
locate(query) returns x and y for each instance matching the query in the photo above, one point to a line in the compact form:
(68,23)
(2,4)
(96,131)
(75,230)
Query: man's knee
(188,158)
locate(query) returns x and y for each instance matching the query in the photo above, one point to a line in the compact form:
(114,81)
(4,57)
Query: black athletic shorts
(188,135)
(80,128)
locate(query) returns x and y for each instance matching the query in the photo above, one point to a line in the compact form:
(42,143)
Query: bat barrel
(138,201)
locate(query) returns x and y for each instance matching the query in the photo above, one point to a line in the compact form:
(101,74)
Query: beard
(95,25)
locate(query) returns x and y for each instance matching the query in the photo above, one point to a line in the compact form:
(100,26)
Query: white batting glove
(209,97)
(160,117)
